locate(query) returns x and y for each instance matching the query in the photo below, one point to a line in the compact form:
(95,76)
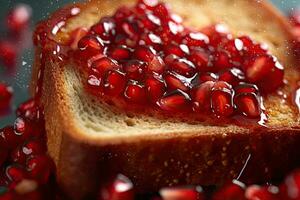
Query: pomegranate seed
(208,77)
(131,29)
(201,96)
(221,99)
(161,10)
(31,111)
(150,22)
(8,54)
(135,92)
(151,39)
(174,101)
(90,46)
(246,88)
(76,36)
(235,48)
(18,18)
(196,39)
(255,192)
(248,104)
(134,69)
(115,83)
(232,76)
(40,168)
(183,67)
(234,190)
(120,53)
(120,189)
(221,60)
(8,138)
(156,88)
(175,50)
(15,173)
(251,49)
(175,81)
(144,53)
(218,34)
(5,96)
(105,28)
(201,59)
(103,65)
(122,13)
(156,65)
(192,193)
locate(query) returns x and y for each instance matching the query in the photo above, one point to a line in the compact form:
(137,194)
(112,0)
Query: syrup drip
(44,37)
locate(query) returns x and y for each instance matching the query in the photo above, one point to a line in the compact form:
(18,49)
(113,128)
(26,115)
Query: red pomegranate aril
(218,34)
(122,13)
(120,53)
(15,173)
(31,111)
(40,168)
(170,32)
(156,65)
(232,191)
(248,104)
(90,46)
(174,49)
(149,22)
(131,29)
(8,54)
(103,65)
(6,93)
(221,99)
(144,53)
(175,81)
(201,59)
(134,69)
(105,28)
(196,39)
(135,92)
(115,83)
(257,68)
(156,88)
(201,96)
(255,192)
(8,138)
(274,81)
(209,76)
(18,19)
(187,193)
(161,11)
(183,67)
(174,101)
(233,76)
(76,36)
(120,189)
(151,39)
(221,60)
(246,88)
(235,48)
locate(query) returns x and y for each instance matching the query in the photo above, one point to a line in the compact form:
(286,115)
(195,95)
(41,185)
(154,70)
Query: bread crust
(207,158)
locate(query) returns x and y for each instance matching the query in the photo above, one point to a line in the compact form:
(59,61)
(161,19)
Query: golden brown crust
(165,159)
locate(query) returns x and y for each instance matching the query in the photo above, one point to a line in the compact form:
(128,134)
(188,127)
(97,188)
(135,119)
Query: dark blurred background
(40,10)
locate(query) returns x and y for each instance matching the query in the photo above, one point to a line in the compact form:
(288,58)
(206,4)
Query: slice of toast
(90,141)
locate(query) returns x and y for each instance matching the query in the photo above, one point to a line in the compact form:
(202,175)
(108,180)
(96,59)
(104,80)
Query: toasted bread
(90,140)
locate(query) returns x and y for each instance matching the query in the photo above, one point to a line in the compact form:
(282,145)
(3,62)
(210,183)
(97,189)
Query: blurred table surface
(41,9)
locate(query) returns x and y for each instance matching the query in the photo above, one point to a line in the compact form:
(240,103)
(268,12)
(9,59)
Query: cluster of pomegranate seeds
(24,165)
(122,189)
(146,57)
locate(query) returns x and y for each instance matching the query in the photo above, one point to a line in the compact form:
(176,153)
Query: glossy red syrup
(144,58)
